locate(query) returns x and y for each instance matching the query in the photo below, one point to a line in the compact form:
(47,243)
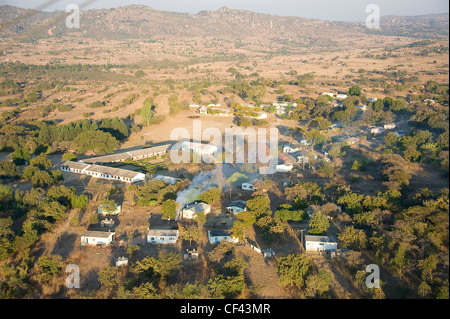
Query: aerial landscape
(223,154)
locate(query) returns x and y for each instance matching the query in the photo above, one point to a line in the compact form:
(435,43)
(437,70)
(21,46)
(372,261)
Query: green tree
(8,170)
(48,267)
(163,265)
(145,291)
(20,157)
(318,284)
(401,260)
(98,142)
(390,139)
(109,206)
(69,157)
(354,90)
(259,205)
(319,223)
(108,277)
(223,286)
(293,269)
(147,113)
(80,201)
(237,266)
(427,266)
(190,233)
(353,238)
(169,209)
(211,195)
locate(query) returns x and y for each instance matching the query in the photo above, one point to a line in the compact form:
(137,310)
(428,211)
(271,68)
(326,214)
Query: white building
(320,243)
(377,130)
(341,96)
(208,110)
(199,148)
(96,238)
(362,107)
(284,168)
(121,261)
(389,126)
(236,207)
(162,236)
(329,94)
(190,211)
(100,210)
(288,149)
(247,187)
(133,155)
(104,172)
(216,236)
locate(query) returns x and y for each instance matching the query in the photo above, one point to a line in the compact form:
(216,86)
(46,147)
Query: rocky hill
(143,22)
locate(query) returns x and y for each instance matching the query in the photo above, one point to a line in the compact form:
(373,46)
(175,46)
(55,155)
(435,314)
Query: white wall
(162,239)
(317,246)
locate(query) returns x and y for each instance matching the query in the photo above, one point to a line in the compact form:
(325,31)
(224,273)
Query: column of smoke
(201,182)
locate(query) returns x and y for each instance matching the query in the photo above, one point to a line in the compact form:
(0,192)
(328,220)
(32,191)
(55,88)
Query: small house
(377,130)
(267,253)
(305,142)
(320,243)
(400,133)
(389,126)
(237,207)
(198,148)
(247,187)
(328,93)
(101,210)
(190,254)
(190,211)
(162,236)
(362,107)
(216,236)
(121,261)
(284,168)
(97,238)
(288,149)
(203,110)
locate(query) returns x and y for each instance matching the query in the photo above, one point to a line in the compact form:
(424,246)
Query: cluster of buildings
(96,166)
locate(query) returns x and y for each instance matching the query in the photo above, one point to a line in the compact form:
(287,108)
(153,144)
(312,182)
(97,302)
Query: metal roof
(163,232)
(102,169)
(131,154)
(97,234)
(324,239)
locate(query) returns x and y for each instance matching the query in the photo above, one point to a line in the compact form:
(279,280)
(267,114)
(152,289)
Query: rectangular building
(96,238)
(102,172)
(162,236)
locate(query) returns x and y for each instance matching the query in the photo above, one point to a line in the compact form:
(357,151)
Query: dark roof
(238,203)
(219,232)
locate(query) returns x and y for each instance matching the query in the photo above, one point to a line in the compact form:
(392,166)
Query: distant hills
(145,23)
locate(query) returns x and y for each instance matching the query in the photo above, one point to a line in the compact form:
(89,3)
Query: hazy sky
(335,10)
